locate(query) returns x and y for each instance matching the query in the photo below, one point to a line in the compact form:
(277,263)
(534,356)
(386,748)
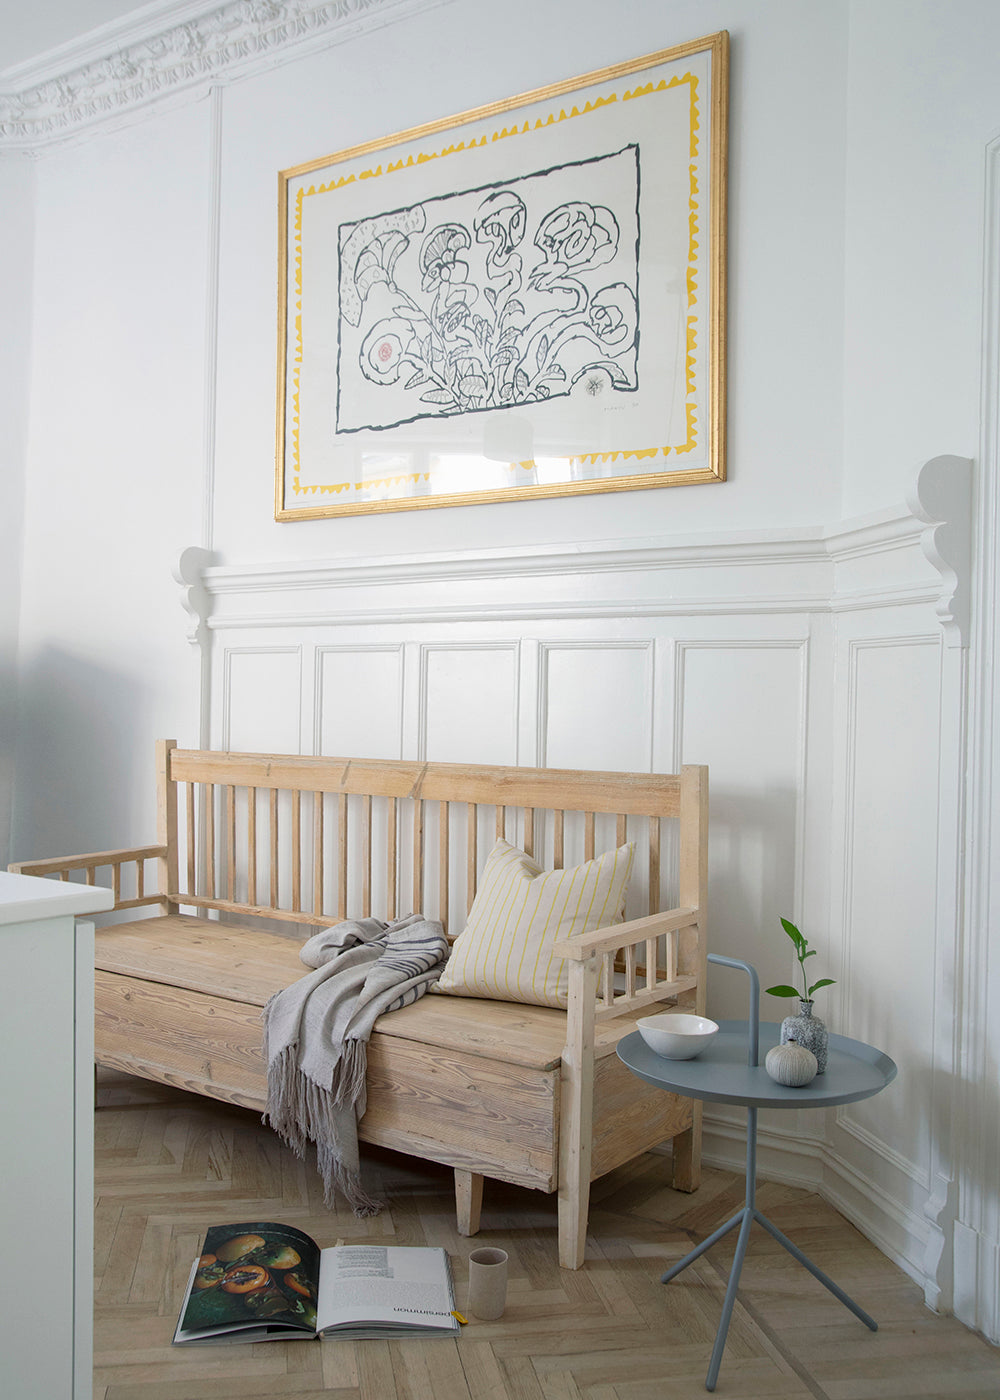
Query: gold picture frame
(527,300)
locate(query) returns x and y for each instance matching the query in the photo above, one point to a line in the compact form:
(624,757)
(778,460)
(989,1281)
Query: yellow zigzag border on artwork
(644,90)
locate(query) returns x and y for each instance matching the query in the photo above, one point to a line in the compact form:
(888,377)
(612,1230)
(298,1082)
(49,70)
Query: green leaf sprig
(802,951)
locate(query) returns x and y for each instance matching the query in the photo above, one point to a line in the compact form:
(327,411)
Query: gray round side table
(729,1071)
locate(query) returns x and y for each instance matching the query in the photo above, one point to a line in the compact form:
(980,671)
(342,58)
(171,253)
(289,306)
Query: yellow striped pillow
(505,950)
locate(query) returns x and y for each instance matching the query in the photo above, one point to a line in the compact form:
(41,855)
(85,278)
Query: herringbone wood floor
(169,1164)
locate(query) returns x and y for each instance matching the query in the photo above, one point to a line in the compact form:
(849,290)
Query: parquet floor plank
(169,1164)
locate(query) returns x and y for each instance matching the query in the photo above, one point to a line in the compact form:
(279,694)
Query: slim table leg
(730,1301)
(749,1211)
(745,1218)
(700,1249)
(816,1272)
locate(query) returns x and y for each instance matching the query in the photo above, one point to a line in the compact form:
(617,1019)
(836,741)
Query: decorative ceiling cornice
(79,86)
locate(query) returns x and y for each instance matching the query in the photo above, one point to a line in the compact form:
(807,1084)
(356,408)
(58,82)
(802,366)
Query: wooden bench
(265,848)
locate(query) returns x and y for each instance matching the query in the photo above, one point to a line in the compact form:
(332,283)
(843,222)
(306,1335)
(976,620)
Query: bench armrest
(93,861)
(605,965)
(626,935)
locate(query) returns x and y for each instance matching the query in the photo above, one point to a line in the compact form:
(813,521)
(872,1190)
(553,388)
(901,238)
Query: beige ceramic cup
(487,1283)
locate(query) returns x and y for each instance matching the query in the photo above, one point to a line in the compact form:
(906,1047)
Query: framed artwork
(525,300)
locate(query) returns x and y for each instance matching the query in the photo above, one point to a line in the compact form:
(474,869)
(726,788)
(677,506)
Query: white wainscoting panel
(742,710)
(469,702)
(891,883)
(262,694)
(359,701)
(597,702)
(805,668)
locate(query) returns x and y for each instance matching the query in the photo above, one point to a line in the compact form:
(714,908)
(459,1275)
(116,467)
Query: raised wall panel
(470,703)
(889,992)
(359,701)
(732,653)
(262,698)
(743,713)
(596,706)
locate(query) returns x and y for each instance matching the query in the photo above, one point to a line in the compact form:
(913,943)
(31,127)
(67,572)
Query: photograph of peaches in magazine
(266,1272)
(263,1281)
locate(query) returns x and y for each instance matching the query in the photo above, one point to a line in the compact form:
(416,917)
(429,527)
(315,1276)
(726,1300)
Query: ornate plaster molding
(942,498)
(189,572)
(78,86)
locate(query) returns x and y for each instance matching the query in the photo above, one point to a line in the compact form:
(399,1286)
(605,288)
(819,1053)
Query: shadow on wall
(8,734)
(751,884)
(81,757)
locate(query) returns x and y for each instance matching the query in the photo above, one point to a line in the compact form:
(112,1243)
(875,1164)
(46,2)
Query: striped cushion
(505,950)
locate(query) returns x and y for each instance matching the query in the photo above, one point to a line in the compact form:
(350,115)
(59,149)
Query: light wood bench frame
(462,1081)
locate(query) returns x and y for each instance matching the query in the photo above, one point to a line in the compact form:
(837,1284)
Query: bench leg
(576,1114)
(686,1174)
(468,1201)
(574,1208)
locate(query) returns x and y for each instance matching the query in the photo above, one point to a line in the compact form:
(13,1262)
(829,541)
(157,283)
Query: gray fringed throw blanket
(316,1034)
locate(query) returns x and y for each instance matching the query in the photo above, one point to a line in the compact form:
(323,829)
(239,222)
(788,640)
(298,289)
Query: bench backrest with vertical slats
(264,844)
(270,835)
(306,840)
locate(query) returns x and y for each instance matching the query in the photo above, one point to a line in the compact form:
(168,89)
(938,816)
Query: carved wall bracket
(941,496)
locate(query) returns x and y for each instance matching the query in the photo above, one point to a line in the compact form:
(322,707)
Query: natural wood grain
(366,856)
(318,853)
(230,813)
(273,848)
(235,964)
(343,818)
(251,845)
(169,1164)
(544,788)
(87,861)
(391,859)
(519,1093)
(189,810)
(468,1201)
(166,821)
(418,1097)
(444,868)
(296,850)
(209,841)
(576,1114)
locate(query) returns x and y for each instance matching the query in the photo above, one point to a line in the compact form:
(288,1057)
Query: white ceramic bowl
(677,1035)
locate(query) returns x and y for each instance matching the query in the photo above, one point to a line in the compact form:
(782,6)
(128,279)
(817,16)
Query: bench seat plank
(249,965)
(202,955)
(416,1092)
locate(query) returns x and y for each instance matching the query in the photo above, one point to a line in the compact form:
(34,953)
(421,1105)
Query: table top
(27,897)
(721,1073)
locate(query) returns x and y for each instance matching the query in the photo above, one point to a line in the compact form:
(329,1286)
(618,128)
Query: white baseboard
(977,1281)
(811,1164)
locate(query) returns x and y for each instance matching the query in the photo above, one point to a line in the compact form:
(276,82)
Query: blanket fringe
(301,1112)
(315,1038)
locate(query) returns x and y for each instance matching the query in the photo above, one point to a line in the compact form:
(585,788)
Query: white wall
(114,476)
(781,627)
(922,105)
(785,267)
(16,268)
(153,396)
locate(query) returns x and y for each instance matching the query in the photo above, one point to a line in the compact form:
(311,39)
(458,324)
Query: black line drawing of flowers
(501,309)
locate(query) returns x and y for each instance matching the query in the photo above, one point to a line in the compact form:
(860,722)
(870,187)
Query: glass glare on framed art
(527,300)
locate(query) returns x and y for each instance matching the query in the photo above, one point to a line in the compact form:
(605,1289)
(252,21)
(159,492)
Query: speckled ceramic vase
(808,1030)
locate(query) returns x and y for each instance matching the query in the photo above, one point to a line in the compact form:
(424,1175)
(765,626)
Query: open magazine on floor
(260,1281)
